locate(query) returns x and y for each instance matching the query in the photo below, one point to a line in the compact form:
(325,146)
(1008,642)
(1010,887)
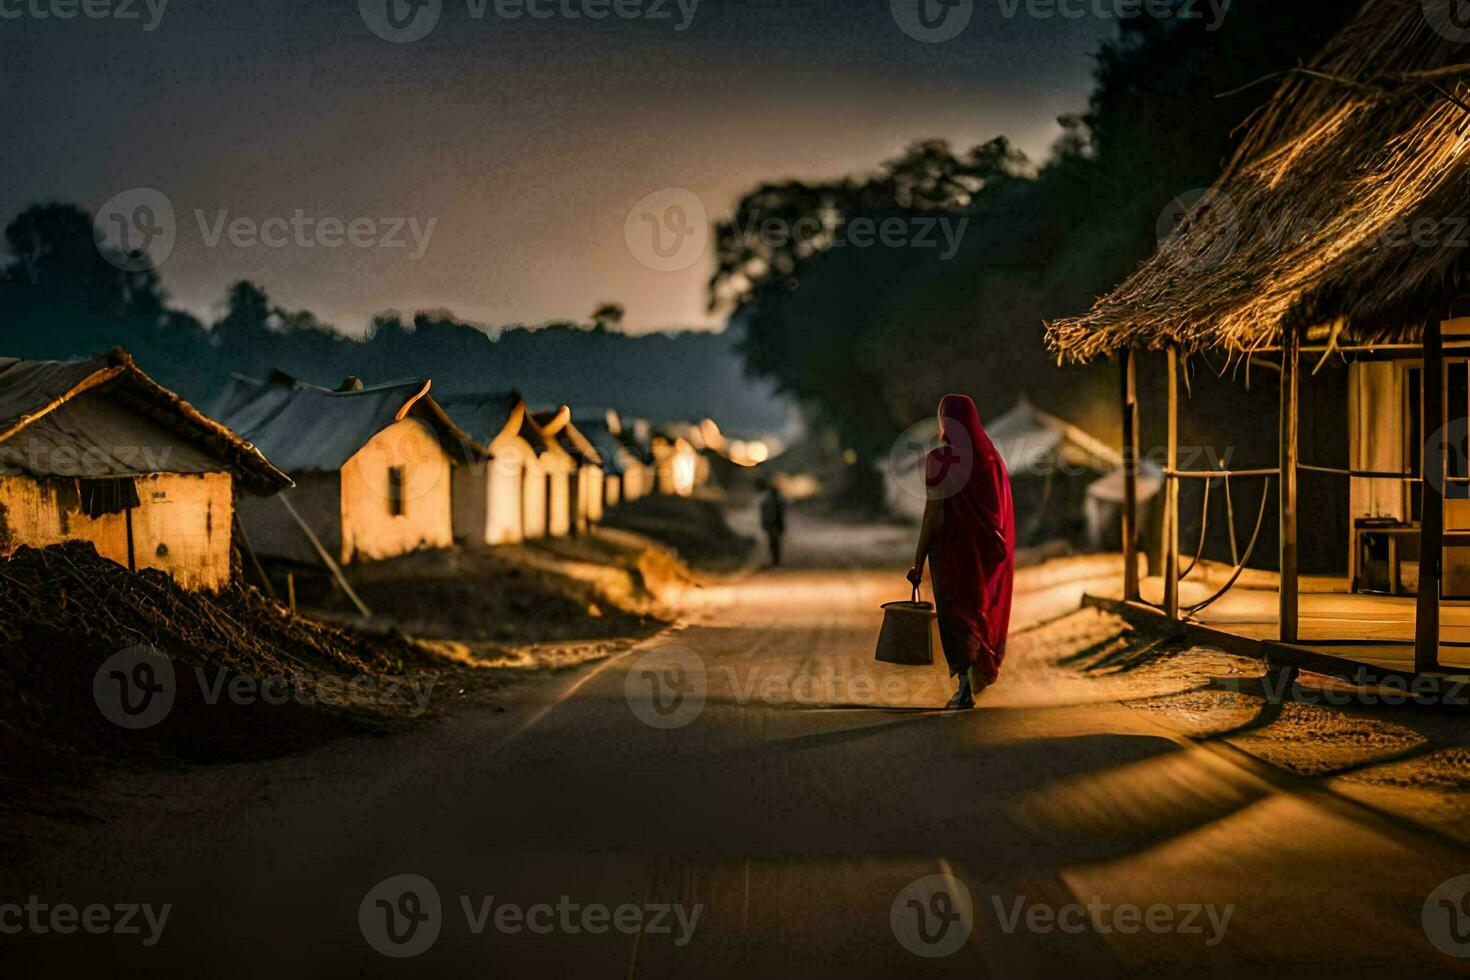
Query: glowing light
(683,466)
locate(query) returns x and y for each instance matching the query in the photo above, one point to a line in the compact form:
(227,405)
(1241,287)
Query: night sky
(527,141)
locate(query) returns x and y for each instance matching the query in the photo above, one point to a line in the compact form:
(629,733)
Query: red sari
(973,558)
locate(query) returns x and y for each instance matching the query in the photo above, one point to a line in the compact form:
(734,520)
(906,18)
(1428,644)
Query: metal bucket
(909,633)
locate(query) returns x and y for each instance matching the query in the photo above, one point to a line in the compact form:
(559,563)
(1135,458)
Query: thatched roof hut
(1343,214)
(1340,226)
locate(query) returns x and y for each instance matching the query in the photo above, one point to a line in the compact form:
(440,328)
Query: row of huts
(95,450)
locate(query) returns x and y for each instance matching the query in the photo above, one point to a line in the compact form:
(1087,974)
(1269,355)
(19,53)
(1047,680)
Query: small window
(395,491)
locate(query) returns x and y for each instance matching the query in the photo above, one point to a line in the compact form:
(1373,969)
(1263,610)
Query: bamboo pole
(255,566)
(1431,527)
(1171,494)
(321,552)
(1291,372)
(1128,362)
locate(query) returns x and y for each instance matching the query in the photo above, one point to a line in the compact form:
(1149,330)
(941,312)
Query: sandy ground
(802,802)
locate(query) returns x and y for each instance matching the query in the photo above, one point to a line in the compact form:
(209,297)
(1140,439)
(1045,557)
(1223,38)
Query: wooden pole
(321,552)
(1290,447)
(265,580)
(128,525)
(1431,528)
(1171,495)
(1128,362)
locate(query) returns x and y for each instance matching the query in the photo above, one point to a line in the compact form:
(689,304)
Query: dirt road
(750,795)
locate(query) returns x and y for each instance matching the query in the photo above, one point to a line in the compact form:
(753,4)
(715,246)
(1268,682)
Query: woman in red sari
(969,539)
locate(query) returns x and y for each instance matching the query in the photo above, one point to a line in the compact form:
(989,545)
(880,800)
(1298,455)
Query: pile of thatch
(64,610)
(1344,212)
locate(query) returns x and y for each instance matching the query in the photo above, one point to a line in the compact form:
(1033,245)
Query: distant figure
(773,519)
(969,539)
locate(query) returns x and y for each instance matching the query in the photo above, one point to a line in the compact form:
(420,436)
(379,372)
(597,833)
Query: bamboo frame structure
(1434,479)
(1431,527)
(1291,372)
(1171,495)
(1129,365)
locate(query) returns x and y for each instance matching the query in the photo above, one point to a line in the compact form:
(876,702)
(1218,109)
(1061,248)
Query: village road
(751,795)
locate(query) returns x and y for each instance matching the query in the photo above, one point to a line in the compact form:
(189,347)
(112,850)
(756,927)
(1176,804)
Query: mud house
(95,450)
(560,468)
(372,467)
(587,482)
(636,458)
(493,495)
(676,464)
(1365,155)
(621,469)
(1053,465)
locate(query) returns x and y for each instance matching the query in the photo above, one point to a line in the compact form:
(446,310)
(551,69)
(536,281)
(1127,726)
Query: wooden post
(1431,530)
(1171,495)
(1290,439)
(128,525)
(1128,362)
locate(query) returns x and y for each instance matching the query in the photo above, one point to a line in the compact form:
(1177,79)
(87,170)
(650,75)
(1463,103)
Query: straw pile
(64,610)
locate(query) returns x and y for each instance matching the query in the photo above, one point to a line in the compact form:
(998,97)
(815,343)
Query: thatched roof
(1344,211)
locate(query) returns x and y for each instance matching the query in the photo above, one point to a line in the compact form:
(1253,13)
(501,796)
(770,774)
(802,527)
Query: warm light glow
(683,465)
(709,431)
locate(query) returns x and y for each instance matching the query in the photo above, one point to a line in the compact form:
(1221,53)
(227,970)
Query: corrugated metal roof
(310,429)
(43,416)
(485,415)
